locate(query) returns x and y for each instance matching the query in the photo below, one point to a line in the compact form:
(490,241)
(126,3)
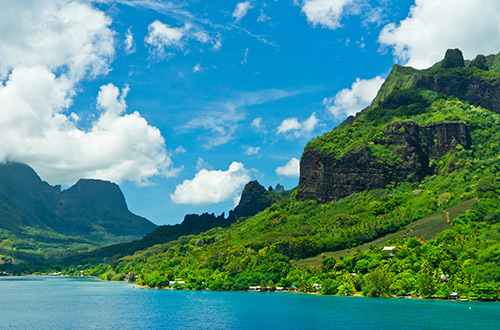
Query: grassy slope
(427,228)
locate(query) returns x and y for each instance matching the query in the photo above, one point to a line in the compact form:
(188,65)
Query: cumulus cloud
(129,43)
(209,187)
(291,169)
(241,10)
(434,26)
(349,101)
(298,128)
(326,13)
(55,34)
(46,48)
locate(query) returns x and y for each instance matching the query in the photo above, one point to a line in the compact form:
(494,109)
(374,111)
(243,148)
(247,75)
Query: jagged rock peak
(453,59)
(254,199)
(479,62)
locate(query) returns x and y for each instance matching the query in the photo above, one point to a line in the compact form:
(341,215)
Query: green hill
(426,228)
(430,141)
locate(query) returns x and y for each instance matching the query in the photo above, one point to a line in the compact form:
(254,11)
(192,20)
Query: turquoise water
(86,303)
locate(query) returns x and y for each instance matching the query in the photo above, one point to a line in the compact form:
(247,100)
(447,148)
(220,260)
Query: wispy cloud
(180,13)
(221,118)
(250,151)
(129,42)
(241,10)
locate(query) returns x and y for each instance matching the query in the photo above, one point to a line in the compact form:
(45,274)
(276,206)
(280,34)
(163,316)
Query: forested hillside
(429,141)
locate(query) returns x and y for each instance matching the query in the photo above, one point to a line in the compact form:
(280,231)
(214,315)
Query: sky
(183,102)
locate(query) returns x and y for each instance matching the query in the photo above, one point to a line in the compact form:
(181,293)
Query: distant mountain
(39,219)
(254,199)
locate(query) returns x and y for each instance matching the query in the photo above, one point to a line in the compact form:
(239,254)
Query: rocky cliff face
(254,199)
(324,177)
(475,89)
(331,168)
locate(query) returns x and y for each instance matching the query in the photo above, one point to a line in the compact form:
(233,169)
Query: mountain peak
(453,59)
(97,191)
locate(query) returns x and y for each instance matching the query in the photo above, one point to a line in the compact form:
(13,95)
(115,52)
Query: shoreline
(317,293)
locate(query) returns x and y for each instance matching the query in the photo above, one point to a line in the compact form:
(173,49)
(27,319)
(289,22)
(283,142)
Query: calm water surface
(87,303)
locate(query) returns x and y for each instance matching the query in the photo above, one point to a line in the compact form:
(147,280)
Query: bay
(87,303)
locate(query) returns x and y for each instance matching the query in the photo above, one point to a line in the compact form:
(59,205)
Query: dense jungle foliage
(268,250)
(261,251)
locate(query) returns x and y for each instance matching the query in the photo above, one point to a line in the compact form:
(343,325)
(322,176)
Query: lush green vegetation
(268,249)
(261,250)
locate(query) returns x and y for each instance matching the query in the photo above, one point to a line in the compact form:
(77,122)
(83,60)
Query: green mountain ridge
(39,221)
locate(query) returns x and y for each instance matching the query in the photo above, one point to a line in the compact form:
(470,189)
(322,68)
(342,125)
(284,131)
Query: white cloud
(180,150)
(289,124)
(263,17)
(326,13)
(46,48)
(197,68)
(221,118)
(434,26)
(245,57)
(298,128)
(241,10)
(291,169)
(257,123)
(349,101)
(252,151)
(208,187)
(161,37)
(56,34)
(164,39)
(202,164)
(129,43)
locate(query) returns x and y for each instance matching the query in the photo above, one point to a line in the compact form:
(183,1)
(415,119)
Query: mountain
(40,220)
(412,180)
(340,163)
(254,199)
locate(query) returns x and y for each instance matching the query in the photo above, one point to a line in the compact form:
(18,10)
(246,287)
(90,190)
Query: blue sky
(183,102)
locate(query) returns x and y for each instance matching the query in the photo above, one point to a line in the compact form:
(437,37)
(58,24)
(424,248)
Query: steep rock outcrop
(473,89)
(453,59)
(325,177)
(480,62)
(450,77)
(254,199)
